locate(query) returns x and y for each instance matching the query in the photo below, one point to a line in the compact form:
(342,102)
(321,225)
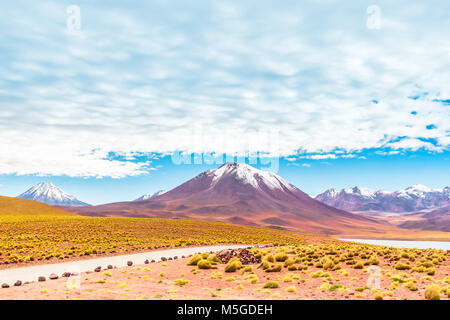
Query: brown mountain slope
(437,220)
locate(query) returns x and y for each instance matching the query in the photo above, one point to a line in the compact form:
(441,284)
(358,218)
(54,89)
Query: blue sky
(340,100)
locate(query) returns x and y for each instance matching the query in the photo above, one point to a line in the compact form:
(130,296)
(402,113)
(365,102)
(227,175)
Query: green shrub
(204,264)
(271,285)
(194,260)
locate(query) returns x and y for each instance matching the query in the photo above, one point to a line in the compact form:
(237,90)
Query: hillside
(16,206)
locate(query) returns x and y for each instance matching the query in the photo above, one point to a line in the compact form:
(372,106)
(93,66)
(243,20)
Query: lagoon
(443,245)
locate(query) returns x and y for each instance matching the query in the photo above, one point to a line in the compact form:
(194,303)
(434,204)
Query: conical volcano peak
(247,174)
(48,193)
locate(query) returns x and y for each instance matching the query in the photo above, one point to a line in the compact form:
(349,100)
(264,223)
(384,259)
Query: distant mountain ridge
(415,198)
(50,194)
(240,193)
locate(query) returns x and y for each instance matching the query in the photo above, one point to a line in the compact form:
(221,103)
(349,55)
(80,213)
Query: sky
(100,98)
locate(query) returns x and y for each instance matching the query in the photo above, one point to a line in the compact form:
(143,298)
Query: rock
(18,283)
(182,257)
(66,274)
(175,258)
(170,258)
(98,269)
(110,266)
(146,262)
(5,285)
(163,259)
(129,263)
(53,276)
(153,261)
(41,279)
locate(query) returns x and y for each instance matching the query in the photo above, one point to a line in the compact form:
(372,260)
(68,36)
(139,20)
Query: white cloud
(320,156)
(307,165)
(140,79)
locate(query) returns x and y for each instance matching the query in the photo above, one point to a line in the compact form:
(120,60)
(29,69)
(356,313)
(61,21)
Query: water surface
(443,245)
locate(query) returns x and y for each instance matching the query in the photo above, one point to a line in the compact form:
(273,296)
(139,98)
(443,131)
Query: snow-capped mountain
(414,198)
(50,194)
(239,193)
(151,195)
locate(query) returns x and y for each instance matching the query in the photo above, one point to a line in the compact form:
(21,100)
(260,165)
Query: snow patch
(250,175)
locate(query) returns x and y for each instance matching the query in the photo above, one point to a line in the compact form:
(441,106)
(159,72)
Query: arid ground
(298,272)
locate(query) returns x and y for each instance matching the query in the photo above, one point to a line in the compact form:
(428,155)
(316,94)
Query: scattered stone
(53,276)
(163,259)
(146,262)
(41,279)
(182,257)
(98,269)
(5,285)
(175,258)
(18,283)
(129,263)
(110,266)
(153,261)
(170,258)
(66,274)
(244,255)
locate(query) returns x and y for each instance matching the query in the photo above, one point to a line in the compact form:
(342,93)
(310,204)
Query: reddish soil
(157,281)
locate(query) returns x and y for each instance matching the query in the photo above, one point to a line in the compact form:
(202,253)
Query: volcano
(239,193)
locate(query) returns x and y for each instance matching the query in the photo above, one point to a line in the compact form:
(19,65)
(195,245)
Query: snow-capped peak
(151,195)
(416,197)
(51,194)
(249,175)
(365,192)
(419,187)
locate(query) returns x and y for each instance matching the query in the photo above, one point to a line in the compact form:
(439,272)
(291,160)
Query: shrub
(233,265)
(271,285)
(281,256)
(181,282)
(245,269)
(213,258)
(194,260)
(432,293)
(268,257)
(205,255)
(275,267)
(290,289)
(431,271)
(204,264)
(401,266)
(289,262)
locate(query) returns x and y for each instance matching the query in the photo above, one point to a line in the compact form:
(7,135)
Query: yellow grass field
(27,238)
